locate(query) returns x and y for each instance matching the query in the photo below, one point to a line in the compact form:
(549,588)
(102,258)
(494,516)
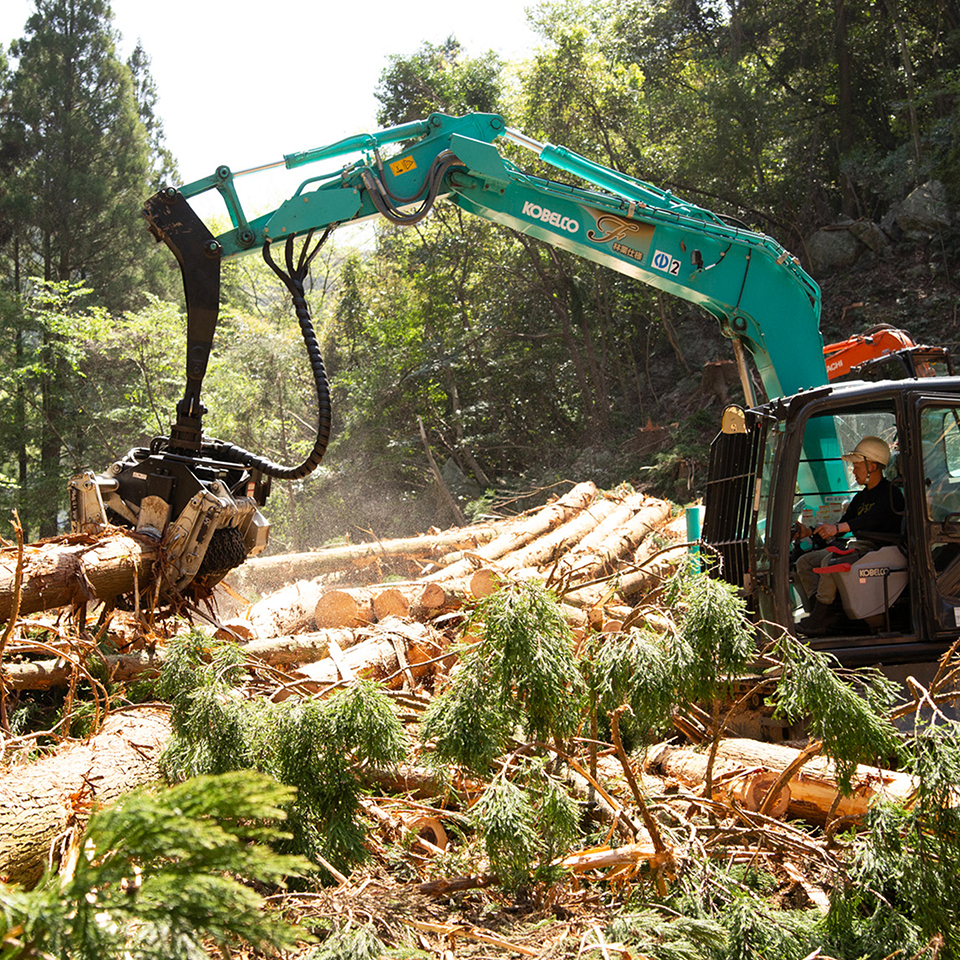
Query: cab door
(939,507)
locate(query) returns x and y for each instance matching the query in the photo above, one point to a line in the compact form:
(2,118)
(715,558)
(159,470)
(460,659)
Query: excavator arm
(201,495)
(753,287)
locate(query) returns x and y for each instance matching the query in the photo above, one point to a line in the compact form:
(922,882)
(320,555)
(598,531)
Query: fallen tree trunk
(42,802)
(275,651)
(813,789)
(598,552)
(395,652)
(545,548)
(287,611)
(731,782)
(75,569)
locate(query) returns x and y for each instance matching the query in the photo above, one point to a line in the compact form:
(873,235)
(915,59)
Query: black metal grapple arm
(174,222)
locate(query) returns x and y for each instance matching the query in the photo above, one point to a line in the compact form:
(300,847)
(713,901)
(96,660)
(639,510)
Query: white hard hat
(869,448)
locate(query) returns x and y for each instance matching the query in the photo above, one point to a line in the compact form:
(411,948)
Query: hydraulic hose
(382,198)
(293,280)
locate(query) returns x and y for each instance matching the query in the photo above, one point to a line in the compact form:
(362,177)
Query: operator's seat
(869,586)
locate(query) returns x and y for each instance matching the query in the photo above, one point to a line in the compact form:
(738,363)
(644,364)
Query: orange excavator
(884,352)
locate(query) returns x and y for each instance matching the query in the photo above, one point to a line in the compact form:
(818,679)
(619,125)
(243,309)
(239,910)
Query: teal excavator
(202,495)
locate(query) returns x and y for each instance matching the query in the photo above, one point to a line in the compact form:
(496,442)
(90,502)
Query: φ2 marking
(666,263)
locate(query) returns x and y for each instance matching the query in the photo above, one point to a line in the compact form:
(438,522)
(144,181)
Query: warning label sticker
(403,165)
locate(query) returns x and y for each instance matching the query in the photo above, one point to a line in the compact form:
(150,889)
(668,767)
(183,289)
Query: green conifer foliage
(642,669)
(527,823)
(716,639)
(849,716)
(906,869)
(158,874)
(522,674)
(359,943)
(316,746)
(86,161)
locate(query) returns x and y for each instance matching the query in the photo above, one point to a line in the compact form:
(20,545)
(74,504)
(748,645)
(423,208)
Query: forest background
(526,366)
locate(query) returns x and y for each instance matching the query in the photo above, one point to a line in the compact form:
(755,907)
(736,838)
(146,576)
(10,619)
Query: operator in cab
(877,508)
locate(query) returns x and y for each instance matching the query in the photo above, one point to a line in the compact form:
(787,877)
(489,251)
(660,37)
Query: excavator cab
(917,361)
(884,352)
(781,460)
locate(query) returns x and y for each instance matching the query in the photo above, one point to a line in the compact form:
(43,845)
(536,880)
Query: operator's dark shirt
(877,510)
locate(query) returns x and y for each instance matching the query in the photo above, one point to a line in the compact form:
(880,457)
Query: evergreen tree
(86,163)
(163,164)
(82,172)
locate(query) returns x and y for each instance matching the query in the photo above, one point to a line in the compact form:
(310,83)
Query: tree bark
(548,546)
(381,655)
(275,651)
(545,519)
(732,781)
(289,610)
(618,536)
(263,574)
(42,802)
(76,569)
(813,790)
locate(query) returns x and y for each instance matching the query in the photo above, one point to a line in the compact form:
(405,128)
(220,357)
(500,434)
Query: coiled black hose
(293,280)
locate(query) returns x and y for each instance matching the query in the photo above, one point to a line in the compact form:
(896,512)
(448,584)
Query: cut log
(382,653)
(289,610)
(545,519)
(603,858)
(484,583)
(435,598)
(595,554)
(391,602)
(732,782)
(545,548)
(41,802)
(275,651)
(814,789)
(266,574)
(344,608)
(76,569)
(422,783)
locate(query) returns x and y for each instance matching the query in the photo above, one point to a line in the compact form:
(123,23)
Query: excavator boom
(740,277)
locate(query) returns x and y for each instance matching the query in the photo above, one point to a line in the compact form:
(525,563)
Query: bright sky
(243,87)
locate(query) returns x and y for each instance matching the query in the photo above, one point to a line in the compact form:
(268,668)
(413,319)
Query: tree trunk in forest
(907,62)
(49,441)
(845,120)
(43,802)
(598,380)
(444,491)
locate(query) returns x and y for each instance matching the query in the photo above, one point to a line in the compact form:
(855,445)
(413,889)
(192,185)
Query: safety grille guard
(730,521)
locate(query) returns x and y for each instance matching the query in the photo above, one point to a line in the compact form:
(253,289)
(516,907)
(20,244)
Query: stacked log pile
(600,552)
